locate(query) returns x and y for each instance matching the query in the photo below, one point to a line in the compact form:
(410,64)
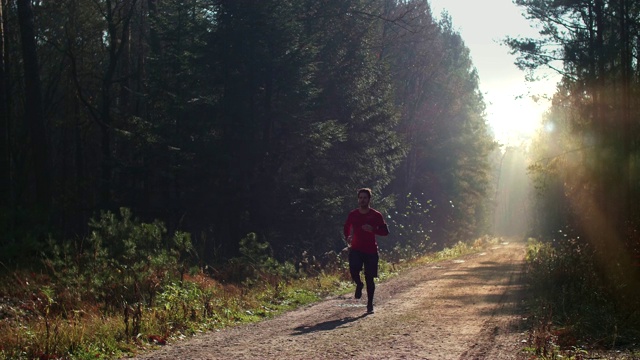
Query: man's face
(363,200)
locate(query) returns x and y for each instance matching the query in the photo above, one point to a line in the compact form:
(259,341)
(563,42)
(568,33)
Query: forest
(140,135)
(585,158)
(224,118)
(585,166)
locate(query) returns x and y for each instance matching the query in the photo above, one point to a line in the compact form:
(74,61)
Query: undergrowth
(127,288)
(576,312)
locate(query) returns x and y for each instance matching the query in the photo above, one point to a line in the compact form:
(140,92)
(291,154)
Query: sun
(514,114)
(516,107)
(515,121)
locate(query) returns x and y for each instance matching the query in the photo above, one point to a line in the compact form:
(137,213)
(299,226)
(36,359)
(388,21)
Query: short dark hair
(366,191)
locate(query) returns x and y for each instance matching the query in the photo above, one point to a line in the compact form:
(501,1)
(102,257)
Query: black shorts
(370,261)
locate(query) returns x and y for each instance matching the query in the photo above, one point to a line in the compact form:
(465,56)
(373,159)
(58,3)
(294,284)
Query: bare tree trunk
(626,73)
(625,222)
(34,113)
(5,165)
(118,18)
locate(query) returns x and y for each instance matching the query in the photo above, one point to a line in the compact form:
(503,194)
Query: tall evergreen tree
(39,160)
(5,167)
(444,126)
(600,121)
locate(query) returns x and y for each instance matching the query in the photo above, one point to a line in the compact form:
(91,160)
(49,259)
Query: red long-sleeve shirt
(365,241)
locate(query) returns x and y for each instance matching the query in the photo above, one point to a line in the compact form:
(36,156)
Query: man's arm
(382,229)
(346,230)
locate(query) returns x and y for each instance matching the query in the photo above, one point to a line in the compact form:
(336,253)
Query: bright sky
(511,112)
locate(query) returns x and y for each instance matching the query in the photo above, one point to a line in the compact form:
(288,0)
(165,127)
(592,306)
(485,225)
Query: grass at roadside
(41,319)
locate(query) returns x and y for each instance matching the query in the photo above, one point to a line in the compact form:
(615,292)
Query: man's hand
(348,240)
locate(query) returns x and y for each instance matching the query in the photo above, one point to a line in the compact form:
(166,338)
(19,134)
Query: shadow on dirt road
(468,308)
(326,325)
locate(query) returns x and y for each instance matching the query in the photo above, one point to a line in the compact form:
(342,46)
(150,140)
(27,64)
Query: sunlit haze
(512,112)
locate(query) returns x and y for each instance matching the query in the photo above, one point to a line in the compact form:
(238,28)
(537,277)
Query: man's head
(364,197)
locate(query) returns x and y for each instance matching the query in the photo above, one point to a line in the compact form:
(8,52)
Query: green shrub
(121,265)
(180,304)
(130,261)
(256,263)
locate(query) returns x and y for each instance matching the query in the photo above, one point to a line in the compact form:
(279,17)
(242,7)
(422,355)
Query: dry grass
(33,325)
(37,321)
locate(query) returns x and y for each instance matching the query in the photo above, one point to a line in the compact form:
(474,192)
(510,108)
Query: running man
(360,230)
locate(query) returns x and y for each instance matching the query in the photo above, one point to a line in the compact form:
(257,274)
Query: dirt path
(457,309)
